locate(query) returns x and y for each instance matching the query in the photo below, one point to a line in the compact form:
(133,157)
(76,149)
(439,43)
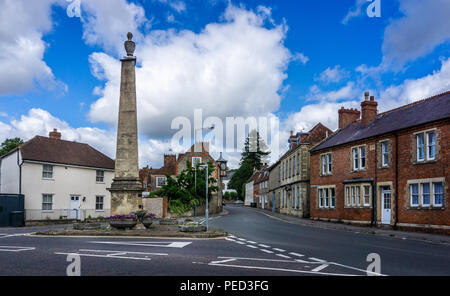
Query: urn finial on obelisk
(126,189)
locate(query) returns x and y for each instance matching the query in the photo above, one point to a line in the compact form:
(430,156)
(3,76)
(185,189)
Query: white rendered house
(59,179)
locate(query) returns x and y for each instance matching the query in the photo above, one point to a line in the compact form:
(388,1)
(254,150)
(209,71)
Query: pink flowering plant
(123,217)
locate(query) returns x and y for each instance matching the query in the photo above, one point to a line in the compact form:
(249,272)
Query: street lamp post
(195,141)
(207,205)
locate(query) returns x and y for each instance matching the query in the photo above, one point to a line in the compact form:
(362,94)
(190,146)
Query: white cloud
(177,5)
(325,109)
(233,68)
(300,57)
(424,26)
(332,75)
(22,26)
(355,11)
(106,23)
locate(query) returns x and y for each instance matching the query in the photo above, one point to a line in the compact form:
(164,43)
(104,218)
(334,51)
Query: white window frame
(429,145)
(332,197)
(411,195)
(327,198)
(157,181)
(47,203)
(358,195)
(441,193)
(361,166)
(100,178)
(320,193)
(194,162)
(348,196)
(422,194)
(102,203)
(385,153)
(419,136)
(366,204)
(50,171)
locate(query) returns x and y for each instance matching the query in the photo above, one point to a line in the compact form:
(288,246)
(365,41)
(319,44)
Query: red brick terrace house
(388,169)
(154,179)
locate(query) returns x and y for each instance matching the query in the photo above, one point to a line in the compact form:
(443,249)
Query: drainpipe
(396,180)
(374,187)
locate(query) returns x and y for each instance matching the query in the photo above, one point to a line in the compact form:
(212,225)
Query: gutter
(396,180)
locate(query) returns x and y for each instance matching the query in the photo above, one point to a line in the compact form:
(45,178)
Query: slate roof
(414,114)
(57,151)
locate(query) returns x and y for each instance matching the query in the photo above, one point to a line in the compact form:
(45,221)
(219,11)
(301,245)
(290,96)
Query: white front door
(74,207)
(385,207)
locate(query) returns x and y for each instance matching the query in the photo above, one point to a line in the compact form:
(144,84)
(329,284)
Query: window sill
(432,207)
(48,179)
(99,182)
(48,211)
(104,210)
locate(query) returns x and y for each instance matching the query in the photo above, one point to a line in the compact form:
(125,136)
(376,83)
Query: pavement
(258,245)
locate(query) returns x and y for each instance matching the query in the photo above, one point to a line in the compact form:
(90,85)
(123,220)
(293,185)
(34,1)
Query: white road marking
(232,236)
(223,261)
(241,239)
(283,256)
(251,242)
(296,254)
(15,249)
(320,267)
(3,235)
(253,247)
(267,251)
(114,254)
(279,269)
(146,244)
(279,250)
(229,239)
(242,243)
(316,259)
(264,246)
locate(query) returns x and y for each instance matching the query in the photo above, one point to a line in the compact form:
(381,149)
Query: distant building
(261,183)
(289,180)
(389,168)
(60,179)
(226,180)
(154,179)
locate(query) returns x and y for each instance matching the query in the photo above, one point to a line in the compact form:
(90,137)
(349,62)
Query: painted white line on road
(320,267)
(4,235)
(253,247)
(241,239)
(232,236)
(264,246)
(251,242)
(105,256)
(296,254)
(316,259)
(15,249)
(279,250)
(257,259)
(280,269)
(229,239)
(283,256)
(128,252)
(242,243)
(146,244)
(223,261)
(267,251)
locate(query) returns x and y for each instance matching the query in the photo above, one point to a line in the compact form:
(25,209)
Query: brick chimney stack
(368,109)
(170,160)
(55,134)
(347,116)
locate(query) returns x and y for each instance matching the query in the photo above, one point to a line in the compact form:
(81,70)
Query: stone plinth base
(126,196)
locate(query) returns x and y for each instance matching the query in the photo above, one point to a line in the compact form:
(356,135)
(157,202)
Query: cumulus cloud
(232,68)
(22,26)
(332,75)
(424,25)
(355,11)
(106,22)
(325,107)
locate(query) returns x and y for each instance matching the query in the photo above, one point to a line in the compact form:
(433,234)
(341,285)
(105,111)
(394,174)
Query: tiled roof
(414,114)
(57,151)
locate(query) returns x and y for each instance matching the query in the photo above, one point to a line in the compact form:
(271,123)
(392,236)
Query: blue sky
(297,60)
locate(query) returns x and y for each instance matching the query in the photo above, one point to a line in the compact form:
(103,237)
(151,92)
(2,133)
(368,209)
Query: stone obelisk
(126,189)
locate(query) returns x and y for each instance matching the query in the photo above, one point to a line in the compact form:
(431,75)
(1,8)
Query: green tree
(184,193)
(10,144)
(252,158)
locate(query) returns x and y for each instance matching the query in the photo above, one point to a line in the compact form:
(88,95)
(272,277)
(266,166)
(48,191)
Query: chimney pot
(366,95)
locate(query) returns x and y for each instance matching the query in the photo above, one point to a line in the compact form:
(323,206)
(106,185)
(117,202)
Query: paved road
(258,245)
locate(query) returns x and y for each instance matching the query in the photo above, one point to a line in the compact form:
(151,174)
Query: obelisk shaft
(126,189)
(127,165)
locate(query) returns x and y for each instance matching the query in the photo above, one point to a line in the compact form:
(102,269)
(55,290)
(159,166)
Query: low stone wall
(156,205)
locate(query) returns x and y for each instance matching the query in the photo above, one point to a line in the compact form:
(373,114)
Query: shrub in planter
(123,221)
(147,220)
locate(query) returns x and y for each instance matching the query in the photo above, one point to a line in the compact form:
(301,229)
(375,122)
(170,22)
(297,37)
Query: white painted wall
(66,181)
(248,193)
(9,174)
